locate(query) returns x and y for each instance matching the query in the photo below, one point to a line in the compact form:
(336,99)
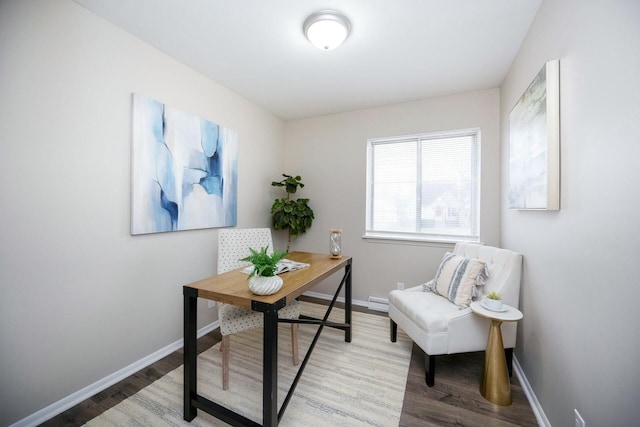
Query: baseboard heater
(378,304)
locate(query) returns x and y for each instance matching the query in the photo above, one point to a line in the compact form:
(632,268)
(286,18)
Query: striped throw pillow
(457,278)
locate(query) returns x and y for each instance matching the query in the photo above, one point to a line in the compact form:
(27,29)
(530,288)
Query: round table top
(512,314)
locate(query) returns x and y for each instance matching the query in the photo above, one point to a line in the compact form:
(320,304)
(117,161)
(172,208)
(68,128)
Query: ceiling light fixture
(327,29)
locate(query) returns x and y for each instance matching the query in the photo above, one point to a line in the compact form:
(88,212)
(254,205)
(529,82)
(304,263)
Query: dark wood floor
(455,399)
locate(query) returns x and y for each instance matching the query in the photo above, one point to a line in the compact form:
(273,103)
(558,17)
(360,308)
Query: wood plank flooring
(455,399)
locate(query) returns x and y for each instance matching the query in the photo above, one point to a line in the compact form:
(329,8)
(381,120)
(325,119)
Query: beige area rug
(344,384)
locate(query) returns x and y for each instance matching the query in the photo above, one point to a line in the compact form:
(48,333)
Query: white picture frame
(534,144)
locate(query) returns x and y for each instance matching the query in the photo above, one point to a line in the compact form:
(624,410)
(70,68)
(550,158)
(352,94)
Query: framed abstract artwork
(534,143)
(185,170)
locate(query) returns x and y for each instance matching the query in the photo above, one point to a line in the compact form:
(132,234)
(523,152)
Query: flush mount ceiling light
(327,29)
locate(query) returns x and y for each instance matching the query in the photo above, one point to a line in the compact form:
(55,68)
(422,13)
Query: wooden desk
(232,288)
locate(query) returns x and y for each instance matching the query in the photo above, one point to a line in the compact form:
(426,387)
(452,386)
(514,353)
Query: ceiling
(398,51)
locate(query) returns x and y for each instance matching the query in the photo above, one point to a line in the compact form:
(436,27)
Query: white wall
(79,297)
(578,342)
(329,152)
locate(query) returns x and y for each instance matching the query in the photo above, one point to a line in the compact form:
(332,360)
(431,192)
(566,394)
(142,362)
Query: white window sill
(399,239)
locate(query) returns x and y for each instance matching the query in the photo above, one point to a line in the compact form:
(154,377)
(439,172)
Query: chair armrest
(419,288)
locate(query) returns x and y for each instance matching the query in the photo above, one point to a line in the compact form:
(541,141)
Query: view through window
(424,187)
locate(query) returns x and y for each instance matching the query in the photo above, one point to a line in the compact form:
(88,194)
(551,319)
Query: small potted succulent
(493,300)
(262,278)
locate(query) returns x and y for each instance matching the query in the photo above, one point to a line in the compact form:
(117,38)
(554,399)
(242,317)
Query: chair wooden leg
(429,369)
(224,346)
(508,354)
(294,343)
(393,330)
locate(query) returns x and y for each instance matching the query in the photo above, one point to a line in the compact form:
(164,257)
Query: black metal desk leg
(270,373)
(347,303)
(190,351)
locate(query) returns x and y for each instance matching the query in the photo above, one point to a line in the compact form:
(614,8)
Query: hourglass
(335,243)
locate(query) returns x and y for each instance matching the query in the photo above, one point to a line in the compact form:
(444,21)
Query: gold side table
(495,386)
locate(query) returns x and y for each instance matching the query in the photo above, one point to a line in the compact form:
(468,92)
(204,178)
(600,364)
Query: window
(424,187)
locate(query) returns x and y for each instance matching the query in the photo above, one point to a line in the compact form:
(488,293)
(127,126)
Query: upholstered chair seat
(236,319)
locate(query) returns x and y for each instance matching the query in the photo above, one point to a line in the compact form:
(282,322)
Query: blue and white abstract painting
(185,170)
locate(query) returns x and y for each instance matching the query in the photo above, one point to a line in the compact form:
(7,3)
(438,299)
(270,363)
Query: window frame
(409,237)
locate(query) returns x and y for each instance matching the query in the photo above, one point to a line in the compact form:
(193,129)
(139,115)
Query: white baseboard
(104,383)
(531,396)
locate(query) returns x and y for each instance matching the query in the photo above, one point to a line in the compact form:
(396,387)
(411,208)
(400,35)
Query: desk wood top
(232,287)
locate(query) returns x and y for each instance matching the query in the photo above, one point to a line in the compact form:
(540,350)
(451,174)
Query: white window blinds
(424,187)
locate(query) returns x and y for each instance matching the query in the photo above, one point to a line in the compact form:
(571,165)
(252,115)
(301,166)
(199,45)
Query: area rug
(344,384)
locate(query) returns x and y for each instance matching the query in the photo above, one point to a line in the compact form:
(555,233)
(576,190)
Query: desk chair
(233,245)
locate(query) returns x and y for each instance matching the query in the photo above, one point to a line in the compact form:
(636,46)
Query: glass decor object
(335,243)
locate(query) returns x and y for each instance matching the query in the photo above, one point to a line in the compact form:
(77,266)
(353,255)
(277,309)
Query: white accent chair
(233,245)
(440,327)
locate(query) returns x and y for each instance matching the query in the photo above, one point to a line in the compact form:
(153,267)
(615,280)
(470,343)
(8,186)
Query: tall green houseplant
(293,215)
